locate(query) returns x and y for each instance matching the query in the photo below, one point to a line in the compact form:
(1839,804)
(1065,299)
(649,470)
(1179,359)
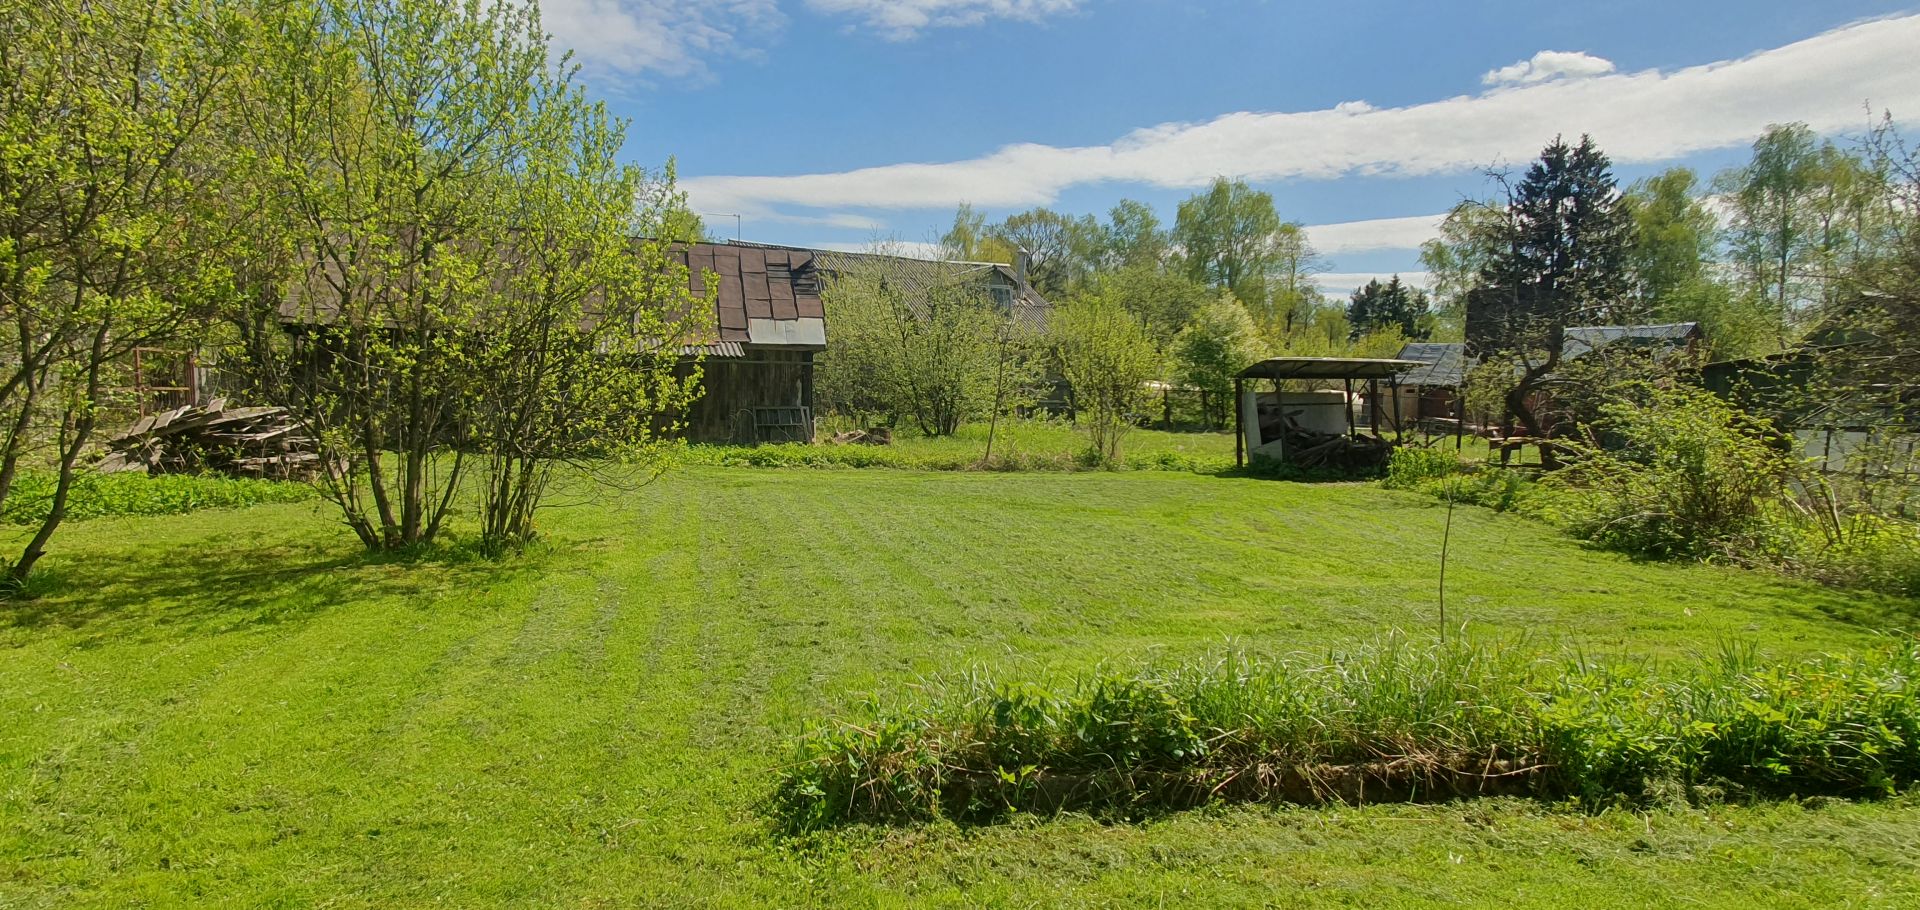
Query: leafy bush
(1679,473)
(1390,721)
(1877,553)
(1411,467)
(102,495)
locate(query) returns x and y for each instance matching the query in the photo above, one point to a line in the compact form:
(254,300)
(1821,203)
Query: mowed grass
(237,709)
(1059,438)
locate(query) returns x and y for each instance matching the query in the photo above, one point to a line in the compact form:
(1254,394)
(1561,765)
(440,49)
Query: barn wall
(732,389)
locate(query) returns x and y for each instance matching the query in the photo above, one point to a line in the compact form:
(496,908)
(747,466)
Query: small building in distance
(1431,391)
(770,322)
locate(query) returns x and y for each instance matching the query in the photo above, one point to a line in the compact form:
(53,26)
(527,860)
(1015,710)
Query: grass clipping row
(1389,722)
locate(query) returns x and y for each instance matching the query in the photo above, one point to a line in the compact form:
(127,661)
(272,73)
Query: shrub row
(102,495)
(1878,553)
(1388,722)
(799,455)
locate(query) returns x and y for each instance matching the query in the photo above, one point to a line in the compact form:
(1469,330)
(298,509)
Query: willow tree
(456,281)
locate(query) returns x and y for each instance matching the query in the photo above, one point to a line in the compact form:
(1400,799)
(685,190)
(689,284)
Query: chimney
(1020,261)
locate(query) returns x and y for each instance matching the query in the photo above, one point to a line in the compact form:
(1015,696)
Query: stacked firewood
(1309,448)
(242,442)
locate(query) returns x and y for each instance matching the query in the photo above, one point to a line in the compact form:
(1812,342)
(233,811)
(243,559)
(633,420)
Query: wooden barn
(769,322)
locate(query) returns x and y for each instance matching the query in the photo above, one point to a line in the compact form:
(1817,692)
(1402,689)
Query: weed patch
(1390,722)
(106,495)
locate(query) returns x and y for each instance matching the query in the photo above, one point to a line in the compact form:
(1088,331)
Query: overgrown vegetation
(937,353)
(92,495)
(1107,358)
(459,259)
(1392,721)
(1677,473)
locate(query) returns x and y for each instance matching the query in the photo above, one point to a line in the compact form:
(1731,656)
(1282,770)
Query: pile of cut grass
(1390,722)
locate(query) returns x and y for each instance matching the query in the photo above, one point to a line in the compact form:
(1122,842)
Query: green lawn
(1047,437)
(235,708)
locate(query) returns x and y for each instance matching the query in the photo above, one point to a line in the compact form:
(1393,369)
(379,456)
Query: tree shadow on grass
(232,582)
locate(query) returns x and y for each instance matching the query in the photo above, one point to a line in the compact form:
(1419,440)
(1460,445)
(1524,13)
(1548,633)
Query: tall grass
(800,455)
(102,495)
(1391,721)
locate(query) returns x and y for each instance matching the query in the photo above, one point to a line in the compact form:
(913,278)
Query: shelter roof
(1327,368)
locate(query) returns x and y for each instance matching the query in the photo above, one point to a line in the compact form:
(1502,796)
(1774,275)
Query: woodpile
(872,436)
(242,442)
(1307,448)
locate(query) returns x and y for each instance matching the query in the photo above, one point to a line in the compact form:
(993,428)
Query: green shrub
(1390,721)
(102,495)
(1411,467)
(1679,473)
(1877,553)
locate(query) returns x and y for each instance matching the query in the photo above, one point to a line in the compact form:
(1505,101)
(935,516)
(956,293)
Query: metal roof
(1582,339)
(1445,363)
(776,284)
(1442,363)
(716,349)
(1327,368)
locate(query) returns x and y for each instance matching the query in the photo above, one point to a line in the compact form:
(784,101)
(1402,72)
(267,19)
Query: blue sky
(836,122)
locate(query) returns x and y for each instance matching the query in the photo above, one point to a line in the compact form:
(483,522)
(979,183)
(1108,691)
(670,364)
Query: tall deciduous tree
(1675,244)
(1060,250)
(941,355)
(1165,302)
(1231,237)
(1107,358)
(1216,345)
(1674,235)
(1471,235)
(1803,212)
(107,239)
(1133,237)
(969,239)
(452,228)
(580,331)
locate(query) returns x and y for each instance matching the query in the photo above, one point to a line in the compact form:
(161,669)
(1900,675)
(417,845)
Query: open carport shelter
(1278,370)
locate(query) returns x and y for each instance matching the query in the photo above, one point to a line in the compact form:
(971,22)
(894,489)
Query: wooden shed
(768,323)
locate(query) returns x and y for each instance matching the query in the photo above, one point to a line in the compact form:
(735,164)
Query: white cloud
(899,20)
(1636,117)
(1378,234)
(1549,65)
(637,38)
(1343,284)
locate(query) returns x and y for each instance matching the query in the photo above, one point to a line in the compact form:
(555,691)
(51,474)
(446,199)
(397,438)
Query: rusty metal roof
(779,284)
